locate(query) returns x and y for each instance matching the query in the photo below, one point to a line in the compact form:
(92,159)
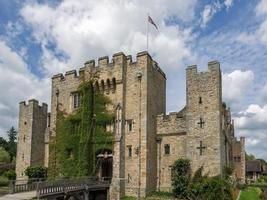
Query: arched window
(113,84)
(102,86)
(108,85)
(96,87)
(167,149)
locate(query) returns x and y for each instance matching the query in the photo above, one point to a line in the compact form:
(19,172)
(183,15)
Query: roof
(253,166)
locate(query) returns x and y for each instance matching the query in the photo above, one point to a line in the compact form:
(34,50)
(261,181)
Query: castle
(146,140)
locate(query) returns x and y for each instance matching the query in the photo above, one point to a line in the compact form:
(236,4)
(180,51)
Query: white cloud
(16,84)
(228,3)
(83,30)
(235,85)
(252,124)
(259,35)
(254,117)
(211,9)
(261,8)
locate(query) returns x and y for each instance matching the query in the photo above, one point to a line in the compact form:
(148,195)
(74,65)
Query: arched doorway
(105,163)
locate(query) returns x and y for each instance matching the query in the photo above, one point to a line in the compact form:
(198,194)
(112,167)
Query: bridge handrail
(62,186)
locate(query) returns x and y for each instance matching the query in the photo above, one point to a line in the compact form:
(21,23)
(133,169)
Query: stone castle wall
(203,102)
(32,126)
(137,91)
(171,130)
(239,159)
(133,85)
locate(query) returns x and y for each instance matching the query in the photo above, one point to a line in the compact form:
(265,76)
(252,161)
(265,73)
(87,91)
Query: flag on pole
(150,20)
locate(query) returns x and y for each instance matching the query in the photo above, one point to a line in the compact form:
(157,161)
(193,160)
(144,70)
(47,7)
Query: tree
(181,173)
(12,145)
(4,156)
(3,143)
(250,157)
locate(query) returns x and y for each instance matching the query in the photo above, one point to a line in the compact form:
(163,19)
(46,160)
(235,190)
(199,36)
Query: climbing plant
(81,135)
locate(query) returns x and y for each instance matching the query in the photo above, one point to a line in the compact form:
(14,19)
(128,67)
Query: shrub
(181,173)
(36,172)
(4,156)
(3,181)
(10,174)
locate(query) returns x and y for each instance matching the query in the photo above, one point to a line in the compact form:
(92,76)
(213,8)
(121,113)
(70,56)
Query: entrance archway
(105,160)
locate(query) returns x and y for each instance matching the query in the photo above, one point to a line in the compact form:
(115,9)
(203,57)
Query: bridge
(92,188)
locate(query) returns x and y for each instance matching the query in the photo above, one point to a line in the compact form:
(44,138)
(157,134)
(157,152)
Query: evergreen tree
(12,145)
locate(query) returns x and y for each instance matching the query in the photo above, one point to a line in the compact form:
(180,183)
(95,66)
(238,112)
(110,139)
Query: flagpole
(147,30)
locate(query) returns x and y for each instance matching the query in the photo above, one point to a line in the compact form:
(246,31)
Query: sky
(39,38)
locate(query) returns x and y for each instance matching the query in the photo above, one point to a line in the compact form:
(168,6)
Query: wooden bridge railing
(46,188)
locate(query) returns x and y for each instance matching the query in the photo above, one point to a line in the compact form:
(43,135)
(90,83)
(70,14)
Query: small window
(23,156)
(24,138)
(237,159)
(25,123)
(76,100)
(129,151)
(69,153)
(167,149)
(130,125)
(200,100)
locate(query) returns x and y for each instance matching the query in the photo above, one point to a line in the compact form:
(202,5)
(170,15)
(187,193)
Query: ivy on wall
(81,136)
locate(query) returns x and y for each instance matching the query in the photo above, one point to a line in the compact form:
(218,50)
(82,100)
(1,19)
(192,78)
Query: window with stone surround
(76,100)
(167,149)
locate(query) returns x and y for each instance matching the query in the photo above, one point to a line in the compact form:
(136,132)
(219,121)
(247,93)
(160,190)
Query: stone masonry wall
(171,130)
(137,83)
(239,159)
(204,101)
(32,126)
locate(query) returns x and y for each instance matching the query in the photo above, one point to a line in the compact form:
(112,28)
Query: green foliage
(4,156)
(250,193)
(228,171)
(181,173)
(199,187)
(211,188)
(81,135)
(12,145)
(36,172)
(10,174)
(4,181)
(3,143)
(250,157)
(160,194)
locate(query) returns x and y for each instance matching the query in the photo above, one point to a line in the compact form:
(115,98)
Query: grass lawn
(250,193)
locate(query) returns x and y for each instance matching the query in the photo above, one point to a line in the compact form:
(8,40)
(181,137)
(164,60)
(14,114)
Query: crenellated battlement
(118,61)
(33,103)
(172,116)
(213,66)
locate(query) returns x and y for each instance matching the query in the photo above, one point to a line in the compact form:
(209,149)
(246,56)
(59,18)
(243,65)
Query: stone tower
(132,88)
(203,118)
(32,126)
(239,159)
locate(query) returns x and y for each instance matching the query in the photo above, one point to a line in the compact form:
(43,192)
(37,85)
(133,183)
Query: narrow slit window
(200,100)
(129,151)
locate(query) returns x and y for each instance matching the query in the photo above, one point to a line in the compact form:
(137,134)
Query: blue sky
(41,38)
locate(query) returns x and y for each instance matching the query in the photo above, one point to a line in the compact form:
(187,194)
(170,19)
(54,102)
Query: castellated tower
(204,118)
(32,126)
(137,91)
